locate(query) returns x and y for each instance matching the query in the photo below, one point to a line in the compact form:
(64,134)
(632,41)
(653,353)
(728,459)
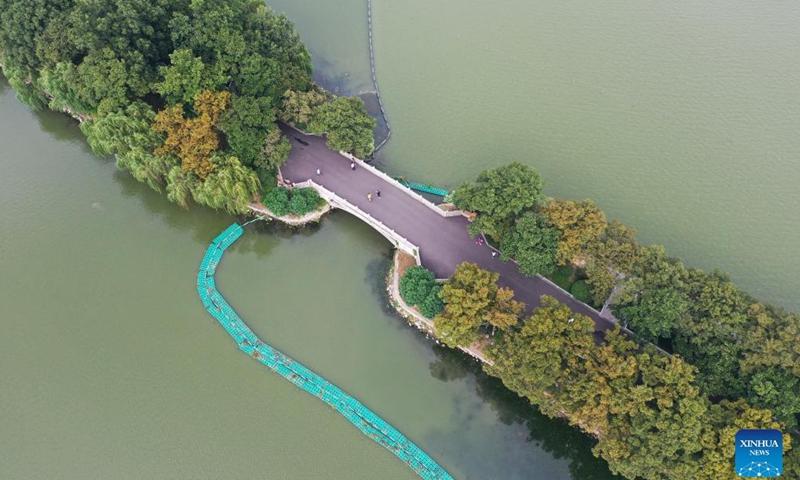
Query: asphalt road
(443,242)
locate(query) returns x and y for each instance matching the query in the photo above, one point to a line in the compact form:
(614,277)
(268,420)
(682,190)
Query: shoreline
(414,317)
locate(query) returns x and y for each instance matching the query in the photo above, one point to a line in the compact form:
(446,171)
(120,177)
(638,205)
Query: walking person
(352,165)
(494,253)
(378,193)
(319,172)
(369,196)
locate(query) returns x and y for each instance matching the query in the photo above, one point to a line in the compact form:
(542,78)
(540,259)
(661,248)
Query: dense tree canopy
(347,126)
(651,418)
(174,67)
(299,201)
(193,139)
(418,288)
(300,107)
(499,196)
(580,223)
(737,362)
(472,300)
(532,243)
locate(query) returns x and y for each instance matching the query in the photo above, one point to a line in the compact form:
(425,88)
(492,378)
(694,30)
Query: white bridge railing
(336,201)
(411,193)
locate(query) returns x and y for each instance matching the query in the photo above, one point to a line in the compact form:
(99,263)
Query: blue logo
(759,453)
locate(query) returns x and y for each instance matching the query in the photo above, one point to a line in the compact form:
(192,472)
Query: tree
(184,78)
(418,288)
(275,151)
(246,124)
(656,313)
(180,185)
(129,136)
(277,201)
(433,304)
(298,201)
(416,284)
(532,244)
(719,433)
(615,254)
(472,299)
(579,223)
(499,196)
(347,126)
(535,361)
(300,107)
(194,139)
(231,186)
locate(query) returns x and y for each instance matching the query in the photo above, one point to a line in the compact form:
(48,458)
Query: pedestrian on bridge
(353,165)
(369,196)
(319,172)
(378,193)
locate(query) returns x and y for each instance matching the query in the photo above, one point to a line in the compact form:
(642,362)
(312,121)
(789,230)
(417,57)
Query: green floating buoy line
(363,418)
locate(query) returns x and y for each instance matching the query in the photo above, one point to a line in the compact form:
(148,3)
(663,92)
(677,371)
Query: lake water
(110,367)
(678,118)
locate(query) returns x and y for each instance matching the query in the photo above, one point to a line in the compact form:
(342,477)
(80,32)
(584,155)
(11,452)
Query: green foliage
(304,200)
(433,304)
(300,107)
(655,313)
(416,284)
(650,417)
(299,201)
(184,78)
(275,151)
(499,196)
(129,136)
(347,125)
(277,200)
(246,124)
(580,223)
(582,291)
(564,276)
(472,300)
(532,243)
(418,288)
(615,254)
(231,186)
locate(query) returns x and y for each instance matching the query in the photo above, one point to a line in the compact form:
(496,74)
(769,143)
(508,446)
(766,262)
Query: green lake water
(678,118)
(110,367)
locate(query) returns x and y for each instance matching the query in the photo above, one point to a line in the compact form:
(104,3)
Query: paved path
(443,242)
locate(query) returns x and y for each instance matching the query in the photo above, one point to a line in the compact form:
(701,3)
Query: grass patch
(582,291)
(564,277)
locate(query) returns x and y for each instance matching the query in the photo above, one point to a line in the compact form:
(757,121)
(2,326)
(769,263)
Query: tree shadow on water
(553,436)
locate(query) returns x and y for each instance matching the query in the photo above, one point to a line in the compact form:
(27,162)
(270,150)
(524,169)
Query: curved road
(443,242)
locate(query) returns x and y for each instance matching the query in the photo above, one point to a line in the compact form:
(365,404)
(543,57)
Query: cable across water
(375,79)
(363,418)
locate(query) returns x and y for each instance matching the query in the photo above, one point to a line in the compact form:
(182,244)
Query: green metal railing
(423,187)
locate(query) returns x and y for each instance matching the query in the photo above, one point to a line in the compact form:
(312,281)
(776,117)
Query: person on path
(353,165)
(494,253)
(378,193)
(369,196)
(319,172)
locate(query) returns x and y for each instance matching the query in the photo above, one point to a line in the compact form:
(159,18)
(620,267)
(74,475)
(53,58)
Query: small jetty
(363,418)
